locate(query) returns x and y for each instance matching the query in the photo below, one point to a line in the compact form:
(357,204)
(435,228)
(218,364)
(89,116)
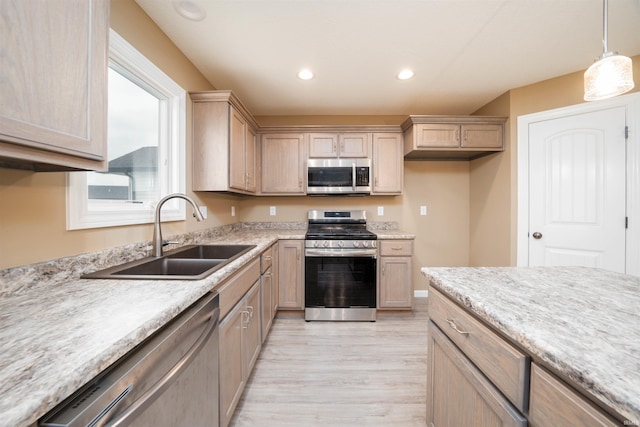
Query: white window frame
(82,214)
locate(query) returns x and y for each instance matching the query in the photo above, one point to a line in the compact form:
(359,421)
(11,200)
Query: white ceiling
(464,53)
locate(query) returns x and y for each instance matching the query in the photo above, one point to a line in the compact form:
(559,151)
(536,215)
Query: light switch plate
(272,210)
(423,210)
(380,210)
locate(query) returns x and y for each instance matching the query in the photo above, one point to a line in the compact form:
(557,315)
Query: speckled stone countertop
(582,323)
(55,339)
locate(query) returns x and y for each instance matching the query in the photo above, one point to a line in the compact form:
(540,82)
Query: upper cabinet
(334,145)
(452,137)
(53,84)
(282,164)
(225,144)
(388,163)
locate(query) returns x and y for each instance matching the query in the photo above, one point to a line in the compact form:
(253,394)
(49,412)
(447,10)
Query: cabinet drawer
(266,259)
(554,404)
(503,364)
(396,247)
(234,289)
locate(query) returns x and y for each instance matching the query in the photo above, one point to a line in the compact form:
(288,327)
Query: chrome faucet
(157,232)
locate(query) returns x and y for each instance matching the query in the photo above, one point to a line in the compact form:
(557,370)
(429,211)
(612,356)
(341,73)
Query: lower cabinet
(291,274)
(240,344)
(395,277)
(458,394)
(268,289)
(555,404)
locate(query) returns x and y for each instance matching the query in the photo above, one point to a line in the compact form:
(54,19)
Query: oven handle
(361,253)
(353,175)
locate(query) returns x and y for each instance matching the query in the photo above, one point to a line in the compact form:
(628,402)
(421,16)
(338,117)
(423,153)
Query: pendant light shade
(610,75)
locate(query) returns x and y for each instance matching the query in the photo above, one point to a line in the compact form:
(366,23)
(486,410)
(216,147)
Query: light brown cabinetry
(555,404)
(224,144)
(267,285)
(452,137)
(282,164)
(53,85)
(240,344)
(240,334)
(291,274)
(387,163)
(333,145)
(395,275)
(458,394)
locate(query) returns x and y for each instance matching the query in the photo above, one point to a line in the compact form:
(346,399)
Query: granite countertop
(56,339)
(582,323)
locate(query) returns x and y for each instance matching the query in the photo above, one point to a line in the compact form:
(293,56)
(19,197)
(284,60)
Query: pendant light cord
(605,25)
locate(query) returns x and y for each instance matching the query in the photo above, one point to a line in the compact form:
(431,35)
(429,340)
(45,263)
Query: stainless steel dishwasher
(171,379)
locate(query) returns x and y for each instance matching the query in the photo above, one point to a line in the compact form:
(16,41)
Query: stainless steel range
(340,267)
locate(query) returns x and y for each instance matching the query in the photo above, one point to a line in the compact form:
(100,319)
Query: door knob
(537,235)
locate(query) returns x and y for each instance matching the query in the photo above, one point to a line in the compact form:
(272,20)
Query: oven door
(340,278)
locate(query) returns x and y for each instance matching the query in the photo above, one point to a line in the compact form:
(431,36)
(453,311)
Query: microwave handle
(353,176)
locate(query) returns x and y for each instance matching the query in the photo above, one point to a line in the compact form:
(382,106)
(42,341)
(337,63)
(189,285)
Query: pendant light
(611,74)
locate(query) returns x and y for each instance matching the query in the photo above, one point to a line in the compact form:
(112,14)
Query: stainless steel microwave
(338,176)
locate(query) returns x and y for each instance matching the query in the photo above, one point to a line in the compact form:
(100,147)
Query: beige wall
(494,180)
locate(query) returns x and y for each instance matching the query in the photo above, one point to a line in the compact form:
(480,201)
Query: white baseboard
(421,293)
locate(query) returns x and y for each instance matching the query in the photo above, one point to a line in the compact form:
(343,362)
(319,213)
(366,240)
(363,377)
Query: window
(146,139)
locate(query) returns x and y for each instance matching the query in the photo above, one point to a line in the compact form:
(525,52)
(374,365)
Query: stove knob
(316,243)
(341,244)
(325,244)
(356,244)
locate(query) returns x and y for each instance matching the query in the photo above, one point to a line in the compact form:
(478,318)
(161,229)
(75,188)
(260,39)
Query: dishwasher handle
(163,383)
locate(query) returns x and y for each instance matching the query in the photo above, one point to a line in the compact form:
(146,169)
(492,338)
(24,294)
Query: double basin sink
(193,262)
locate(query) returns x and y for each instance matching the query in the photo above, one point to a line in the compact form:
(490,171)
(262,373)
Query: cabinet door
(282,164)
(266,285)
(237,140)
(252,328)
(232,372)
(354,145)
(458,394)
(291,274)
(441,135)
(481,136)
(251,160)
(555,404)
(53,83)
(388,163)
(395,289)
(323,145)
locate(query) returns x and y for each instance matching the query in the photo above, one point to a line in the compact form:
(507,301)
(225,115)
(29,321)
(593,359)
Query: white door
(577,178)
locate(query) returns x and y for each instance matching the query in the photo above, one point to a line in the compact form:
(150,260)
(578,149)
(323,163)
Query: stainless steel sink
(187,263)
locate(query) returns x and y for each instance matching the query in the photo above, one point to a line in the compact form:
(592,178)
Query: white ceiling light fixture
(305,74)
(611,74)
(405,74)
(190,10)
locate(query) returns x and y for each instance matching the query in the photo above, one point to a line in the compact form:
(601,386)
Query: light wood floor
(340,374)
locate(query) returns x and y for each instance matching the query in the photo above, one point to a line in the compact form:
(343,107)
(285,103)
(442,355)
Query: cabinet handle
(335,147)
(396,248)
(245,319)
(455,327)
(465,136)
(268,257)
(250,310)
(383,269)
(457,135)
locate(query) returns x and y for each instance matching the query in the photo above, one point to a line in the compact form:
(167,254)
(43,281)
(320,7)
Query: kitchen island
(580,324)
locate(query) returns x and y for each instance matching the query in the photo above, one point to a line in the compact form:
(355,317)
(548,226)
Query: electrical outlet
(423,210)
(233,211)
(203,211)
(380,210)
(272,210)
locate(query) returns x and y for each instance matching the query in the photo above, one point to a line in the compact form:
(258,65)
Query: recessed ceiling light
(405,74)
(305,74)
(190,10)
